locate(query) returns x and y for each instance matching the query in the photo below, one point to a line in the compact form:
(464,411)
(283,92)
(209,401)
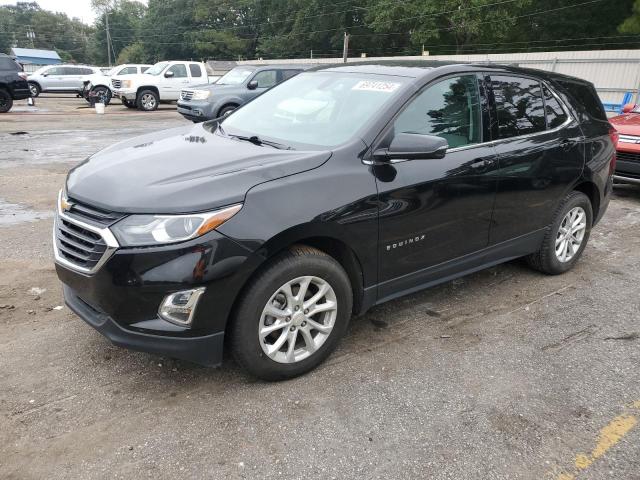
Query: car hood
(627,124)
(182,170)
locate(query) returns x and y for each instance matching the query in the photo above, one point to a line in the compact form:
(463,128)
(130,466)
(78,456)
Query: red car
(628,149)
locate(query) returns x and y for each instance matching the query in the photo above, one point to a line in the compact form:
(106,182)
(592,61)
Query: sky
(73,8)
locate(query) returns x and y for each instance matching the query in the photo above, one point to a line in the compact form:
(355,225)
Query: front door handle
(482,164)
(567,144)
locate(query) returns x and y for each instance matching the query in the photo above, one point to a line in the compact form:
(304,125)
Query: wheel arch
(227,103)
(590,189)
(153,88)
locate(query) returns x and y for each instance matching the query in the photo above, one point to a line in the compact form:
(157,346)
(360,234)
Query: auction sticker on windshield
(376,86)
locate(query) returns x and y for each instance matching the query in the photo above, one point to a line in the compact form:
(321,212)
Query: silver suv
(59,78)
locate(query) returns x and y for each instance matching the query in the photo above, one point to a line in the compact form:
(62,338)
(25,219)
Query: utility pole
(311,56)
(345,47)
(106,23)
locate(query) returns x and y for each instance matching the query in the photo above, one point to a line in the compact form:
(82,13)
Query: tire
(224,111)
(147,101)
(6,102)
(266,289)
(35,89)
(128,103)
(102,92)
(547,259)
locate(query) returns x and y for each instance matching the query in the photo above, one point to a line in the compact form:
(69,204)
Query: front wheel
(6,102)
(566,237)
(292,315)
(226,110)
(148,100)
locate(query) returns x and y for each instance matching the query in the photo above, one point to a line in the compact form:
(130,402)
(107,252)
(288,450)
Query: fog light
(180,307)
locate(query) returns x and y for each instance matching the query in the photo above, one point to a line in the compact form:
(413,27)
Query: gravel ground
(504,374)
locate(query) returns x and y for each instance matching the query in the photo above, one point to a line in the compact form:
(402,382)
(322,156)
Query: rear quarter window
(585,98)
(7,63)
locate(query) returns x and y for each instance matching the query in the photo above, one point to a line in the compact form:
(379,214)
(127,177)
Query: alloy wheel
(571,234)
(33,89)
(297,319)
(148,101)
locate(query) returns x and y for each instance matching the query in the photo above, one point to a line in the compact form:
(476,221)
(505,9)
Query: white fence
(613,72)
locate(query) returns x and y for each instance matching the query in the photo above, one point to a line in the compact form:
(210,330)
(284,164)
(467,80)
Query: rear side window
(143,69)
(519,106)
(7,63)
(287,74)
(449,109)
(127,71)
(556,116)
(195,70)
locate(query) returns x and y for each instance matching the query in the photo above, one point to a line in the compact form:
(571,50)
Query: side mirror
(628,107)
(45,74)
(168,74)
(413,146)
(252,85)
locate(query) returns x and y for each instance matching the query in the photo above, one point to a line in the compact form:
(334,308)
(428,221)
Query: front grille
(186,95)
(79,246)
(92,215)
(628,156)
(116,83)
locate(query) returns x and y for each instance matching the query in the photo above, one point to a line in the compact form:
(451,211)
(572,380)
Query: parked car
(13,83)
(340,189)
(97,87)
(628,150)
(162,83)
(59,78)
(235,88)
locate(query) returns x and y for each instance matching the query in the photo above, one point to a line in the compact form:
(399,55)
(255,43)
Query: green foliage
(247,29)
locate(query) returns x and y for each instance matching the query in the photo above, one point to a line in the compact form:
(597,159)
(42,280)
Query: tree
(134,53)
(631,24)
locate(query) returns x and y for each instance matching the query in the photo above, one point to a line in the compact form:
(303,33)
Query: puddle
(13,214)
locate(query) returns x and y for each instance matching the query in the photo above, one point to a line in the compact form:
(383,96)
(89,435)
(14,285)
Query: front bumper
(125,93)
(121,298)
(197,110)
(205,350)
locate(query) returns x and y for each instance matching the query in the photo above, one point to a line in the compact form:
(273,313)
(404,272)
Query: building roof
(35,53)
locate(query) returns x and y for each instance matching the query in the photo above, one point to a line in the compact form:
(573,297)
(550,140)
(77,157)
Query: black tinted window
(7,63)
(287,74)
(556,116)
(449,109)
(519,106)
(195,70)
(586,97)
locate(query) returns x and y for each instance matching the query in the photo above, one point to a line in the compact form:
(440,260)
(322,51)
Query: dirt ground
(505,374)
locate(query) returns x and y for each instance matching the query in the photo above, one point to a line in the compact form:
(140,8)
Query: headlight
(126,83)
(146,230)
(200,94)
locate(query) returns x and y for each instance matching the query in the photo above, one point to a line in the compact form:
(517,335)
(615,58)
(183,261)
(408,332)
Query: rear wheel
(566,237)
(34,88)
(6,102)
(148,100)
(292,315)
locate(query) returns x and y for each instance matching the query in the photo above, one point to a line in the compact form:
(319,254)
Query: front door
(436,211)
(171,87)
(541,153)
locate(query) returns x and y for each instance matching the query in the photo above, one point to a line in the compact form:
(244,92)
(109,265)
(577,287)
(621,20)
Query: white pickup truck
(162,83)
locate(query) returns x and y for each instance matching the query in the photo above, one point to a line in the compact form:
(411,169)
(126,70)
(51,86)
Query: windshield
(157,68)
(235,76)
(323,109)
(111,72)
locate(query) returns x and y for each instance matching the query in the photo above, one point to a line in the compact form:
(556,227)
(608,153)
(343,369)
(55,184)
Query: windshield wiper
(259,141)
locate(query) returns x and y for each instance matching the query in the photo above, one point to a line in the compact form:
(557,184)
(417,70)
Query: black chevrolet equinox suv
(339,189)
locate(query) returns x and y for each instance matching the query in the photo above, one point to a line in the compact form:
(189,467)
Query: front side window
(266,78)
(555,114)
(179,71)
(54,71)
(519,106)
(316,109)
(449,109)
(195,70)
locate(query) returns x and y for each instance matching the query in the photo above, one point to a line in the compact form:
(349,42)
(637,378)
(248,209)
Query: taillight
(22,75)
(614,136)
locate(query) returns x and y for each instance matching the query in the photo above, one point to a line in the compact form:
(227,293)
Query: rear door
(73,77)
(439,210)
(540,151)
